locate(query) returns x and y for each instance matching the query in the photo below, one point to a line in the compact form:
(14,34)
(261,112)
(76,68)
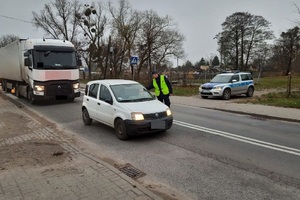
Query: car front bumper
(211,93)
(148,126)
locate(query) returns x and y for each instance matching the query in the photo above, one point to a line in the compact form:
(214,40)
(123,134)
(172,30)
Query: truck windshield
(54,59)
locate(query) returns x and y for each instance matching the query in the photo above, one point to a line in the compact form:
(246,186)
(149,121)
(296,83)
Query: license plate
(205,91)
(158,125)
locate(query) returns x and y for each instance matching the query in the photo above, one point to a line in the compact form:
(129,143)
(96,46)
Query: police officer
(162,88)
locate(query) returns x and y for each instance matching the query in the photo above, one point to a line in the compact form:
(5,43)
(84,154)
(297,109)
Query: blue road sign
(134,60)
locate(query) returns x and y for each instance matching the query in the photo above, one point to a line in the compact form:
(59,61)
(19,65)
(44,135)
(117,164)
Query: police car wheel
(250,92)
(226,94)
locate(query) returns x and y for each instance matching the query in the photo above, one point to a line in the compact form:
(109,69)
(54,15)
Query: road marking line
(240,138)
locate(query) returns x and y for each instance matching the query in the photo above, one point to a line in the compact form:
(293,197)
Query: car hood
(211,85)
(145,107)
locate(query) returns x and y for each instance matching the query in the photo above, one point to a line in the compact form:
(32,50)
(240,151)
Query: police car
(227,84)
(125,105)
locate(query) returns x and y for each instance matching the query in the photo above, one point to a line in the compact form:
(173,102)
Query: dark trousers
(165,99)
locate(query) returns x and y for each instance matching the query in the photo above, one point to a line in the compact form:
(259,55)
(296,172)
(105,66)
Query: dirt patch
(12,124)
(31,153)
(20,146)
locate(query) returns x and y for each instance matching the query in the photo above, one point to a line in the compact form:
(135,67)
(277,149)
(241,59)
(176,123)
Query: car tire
(226,94)
(86,117)
(121,130)
(250,92)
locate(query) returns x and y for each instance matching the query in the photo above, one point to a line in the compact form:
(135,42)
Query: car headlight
(200,88)
(137,116)
(218,87)
(39,88)
(169,113)
(75,85)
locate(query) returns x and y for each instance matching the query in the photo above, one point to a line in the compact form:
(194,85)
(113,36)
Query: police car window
(235,77)
(104,93)
(93,90)
(245,77)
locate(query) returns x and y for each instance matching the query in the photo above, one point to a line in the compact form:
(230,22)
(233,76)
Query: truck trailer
(40,69)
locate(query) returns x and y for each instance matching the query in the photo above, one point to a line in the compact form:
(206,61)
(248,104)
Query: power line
(15,19)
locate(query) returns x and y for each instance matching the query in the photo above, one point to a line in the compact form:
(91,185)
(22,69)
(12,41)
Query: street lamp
(111,51)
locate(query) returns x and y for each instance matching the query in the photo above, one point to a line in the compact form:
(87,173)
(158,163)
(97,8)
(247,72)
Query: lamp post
(111,51)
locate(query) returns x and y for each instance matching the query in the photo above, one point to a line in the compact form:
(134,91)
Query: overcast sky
(198,20)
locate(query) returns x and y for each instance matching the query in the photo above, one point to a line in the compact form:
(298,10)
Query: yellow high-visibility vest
(163,86)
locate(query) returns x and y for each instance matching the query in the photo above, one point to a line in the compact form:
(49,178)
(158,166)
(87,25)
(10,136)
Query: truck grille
(59,90)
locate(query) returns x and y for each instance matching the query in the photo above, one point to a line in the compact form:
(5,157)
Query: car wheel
(86,117)
(121,130)
(226,94)
(250,92)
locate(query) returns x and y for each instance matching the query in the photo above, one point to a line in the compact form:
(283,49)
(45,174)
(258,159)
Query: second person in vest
(162,88)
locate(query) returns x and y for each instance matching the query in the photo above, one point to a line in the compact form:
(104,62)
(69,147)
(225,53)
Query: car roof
(113,82)
(231,73)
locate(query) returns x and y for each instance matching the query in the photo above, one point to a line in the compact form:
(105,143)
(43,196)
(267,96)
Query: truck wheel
(17,90)
(30,96)
(226,94)
(6,89)
(121,130)
(86,117)
(3,85)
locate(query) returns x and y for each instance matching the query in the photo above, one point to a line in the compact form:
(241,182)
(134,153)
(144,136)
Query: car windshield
(221,79)
(131,93)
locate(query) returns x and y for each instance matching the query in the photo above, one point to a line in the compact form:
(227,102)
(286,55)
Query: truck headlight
(169,113)
(39,88)
(137,116)
(76,86)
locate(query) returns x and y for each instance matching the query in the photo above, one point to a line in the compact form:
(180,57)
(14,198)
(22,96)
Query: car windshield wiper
(143,99)
(136,100)
(125,100)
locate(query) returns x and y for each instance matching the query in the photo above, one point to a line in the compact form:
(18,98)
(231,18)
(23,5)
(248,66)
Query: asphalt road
(205,155)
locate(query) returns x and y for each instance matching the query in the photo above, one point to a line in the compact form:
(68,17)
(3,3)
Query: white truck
(40,69)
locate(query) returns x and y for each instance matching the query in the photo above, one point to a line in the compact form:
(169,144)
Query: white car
(125,105)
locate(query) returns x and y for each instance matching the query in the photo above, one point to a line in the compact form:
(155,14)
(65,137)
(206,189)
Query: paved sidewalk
(66,173)
(288,114)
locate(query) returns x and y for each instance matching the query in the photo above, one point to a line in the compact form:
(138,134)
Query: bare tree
(289,47)
(125,24)
(93,22)
(161,40)
(58,19)
(7,39)
(242,32)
